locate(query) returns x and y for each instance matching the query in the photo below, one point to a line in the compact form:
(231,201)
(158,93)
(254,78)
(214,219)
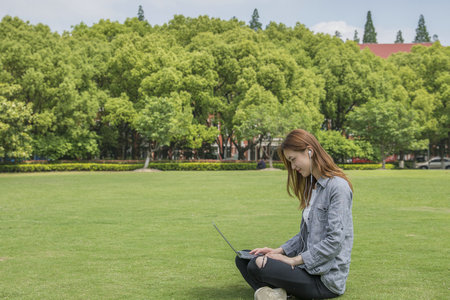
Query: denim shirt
(325,240)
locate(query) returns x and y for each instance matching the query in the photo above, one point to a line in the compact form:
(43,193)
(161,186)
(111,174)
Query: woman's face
(300,161)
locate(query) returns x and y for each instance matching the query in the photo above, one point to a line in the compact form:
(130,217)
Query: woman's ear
(310,153)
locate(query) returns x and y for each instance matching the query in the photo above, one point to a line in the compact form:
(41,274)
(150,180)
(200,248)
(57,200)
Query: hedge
(350,166)
(172,166)
(365,166)
(164,166)
(68,167)
(193,166)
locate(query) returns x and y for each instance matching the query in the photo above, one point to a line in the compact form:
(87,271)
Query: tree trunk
(252,148)
(147,160)
(271,161)
(226,148)
(170,153)
(220,147)
(150,151)
(135,150)
(241,150)
(260,150)
(194,153)
(383,158)
(125,136)
(269,153)
(401,164)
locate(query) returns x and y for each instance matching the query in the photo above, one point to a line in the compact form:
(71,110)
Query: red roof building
(385,50)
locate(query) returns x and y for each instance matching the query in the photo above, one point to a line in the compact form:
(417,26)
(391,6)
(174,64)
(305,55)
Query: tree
(355,37)
(162,119)
(425,76)
(340,148)
(254,22)
(346,72)
(370,36)
(422,35)
(399,38)
(338,34)
(386,124)
(252,121)
(15,125)
(435,38)
(141,16)
(87,87)
(261,118)
(233,73)
(199,135)
(56,75)
(118,117)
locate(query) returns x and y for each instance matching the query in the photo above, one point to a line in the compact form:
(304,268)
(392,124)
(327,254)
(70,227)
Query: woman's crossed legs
(263,271)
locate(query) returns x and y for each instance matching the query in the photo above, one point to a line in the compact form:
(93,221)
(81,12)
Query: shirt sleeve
(292,246)
(328,248)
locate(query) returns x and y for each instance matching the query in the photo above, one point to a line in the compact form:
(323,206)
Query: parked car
(434,163)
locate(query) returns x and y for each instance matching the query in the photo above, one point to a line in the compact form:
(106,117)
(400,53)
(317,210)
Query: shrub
(196,166)
(68,167)
(365,166)
(164,166)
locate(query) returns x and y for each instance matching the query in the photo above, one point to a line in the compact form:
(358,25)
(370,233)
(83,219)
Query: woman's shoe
(266,293)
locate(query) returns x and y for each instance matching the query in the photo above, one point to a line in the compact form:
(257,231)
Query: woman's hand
(292,261)
(266,250)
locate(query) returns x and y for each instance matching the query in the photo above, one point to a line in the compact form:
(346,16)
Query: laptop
(244,254)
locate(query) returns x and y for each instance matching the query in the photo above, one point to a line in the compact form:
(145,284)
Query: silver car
(434,163)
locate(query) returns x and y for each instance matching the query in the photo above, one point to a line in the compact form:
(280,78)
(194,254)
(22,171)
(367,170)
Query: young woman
(314,264)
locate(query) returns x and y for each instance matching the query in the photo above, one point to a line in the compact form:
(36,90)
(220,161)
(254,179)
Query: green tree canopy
(370,35)
(84,91)
(254,21)
(162,119)
(140,14)
(355,37)
(385,124)
(422,35)
(399,38)
(15,124)
(339,147)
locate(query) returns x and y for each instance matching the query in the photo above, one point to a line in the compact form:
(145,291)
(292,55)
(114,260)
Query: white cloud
(347,31)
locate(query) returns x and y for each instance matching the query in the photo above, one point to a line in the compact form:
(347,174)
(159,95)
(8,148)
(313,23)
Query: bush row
(171,166)
(193,166)
(350,166)
(68,167)
(164,166)
(365,166)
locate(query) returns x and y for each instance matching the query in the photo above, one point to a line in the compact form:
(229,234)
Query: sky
(326,16)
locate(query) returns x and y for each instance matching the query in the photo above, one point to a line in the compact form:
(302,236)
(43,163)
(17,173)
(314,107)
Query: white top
(308,208)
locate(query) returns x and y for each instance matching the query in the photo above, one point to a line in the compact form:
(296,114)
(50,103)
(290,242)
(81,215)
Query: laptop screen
(218,230)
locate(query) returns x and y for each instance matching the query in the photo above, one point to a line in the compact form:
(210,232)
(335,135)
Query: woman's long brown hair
(299,140)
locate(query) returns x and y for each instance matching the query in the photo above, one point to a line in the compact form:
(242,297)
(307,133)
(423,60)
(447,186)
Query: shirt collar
(323,181)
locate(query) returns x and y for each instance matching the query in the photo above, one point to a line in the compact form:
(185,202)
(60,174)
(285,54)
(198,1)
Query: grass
(135,235)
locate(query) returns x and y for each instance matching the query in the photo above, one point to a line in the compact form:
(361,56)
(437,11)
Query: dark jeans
(276,274)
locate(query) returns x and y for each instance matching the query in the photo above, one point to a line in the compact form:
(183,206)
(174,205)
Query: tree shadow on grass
(221,292)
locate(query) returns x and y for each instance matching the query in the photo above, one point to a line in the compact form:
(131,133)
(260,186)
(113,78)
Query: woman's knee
(261,261)
(255,265)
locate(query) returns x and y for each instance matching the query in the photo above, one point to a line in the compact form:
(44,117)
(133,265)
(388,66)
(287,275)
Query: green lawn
(136,235)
